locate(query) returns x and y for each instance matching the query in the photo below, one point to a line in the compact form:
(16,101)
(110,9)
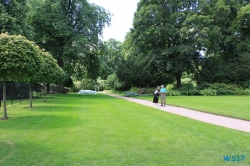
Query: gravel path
(227,122)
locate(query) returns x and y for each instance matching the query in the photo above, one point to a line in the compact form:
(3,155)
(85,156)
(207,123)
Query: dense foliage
(111,57)
(209,39)
(70,30)
(13,18)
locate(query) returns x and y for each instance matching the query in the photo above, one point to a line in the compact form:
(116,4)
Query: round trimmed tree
(50,71)
(20,59)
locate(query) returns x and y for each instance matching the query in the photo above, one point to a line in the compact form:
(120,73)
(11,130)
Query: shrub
(194,92)
(208,92)
(131,94)
(173,93)
(248,91)
(240,91)
(77,86)
(224,91)
(170,87)
(134,89)
(203,85)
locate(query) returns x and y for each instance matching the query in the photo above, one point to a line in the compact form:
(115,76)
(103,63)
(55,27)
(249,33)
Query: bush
(208,92)
(248,91)
(203,85)
(217,86)
(134,89)
(194,92)
(77,86)
(224,91)
(131,94)
(173,93)
(170,87)
(240,91)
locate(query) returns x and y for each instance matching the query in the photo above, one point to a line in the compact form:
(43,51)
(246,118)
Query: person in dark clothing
(156,95)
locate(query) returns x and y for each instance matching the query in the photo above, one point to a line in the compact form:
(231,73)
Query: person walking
(163,92)
(156,95)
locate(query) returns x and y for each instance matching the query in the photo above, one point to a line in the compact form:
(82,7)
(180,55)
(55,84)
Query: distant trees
(111,57)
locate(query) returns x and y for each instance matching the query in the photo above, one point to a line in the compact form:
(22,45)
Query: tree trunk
(48,87)
(30,92)
(4,100)
(52,91)
(45,92)
(178,79)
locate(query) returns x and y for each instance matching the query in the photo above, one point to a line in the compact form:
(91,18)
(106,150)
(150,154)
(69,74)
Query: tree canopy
(192,37)
(159,31)
(13,15)
(111,57)
(70,30)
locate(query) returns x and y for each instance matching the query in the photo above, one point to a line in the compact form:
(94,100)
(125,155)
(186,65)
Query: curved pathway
(227,122)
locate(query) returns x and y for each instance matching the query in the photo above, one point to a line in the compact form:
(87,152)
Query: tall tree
(70,31)
(50,72)
(225,25)
(157,32)
(111,57)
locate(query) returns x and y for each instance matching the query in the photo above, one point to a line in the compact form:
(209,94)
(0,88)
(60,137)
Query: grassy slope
(101,130)
(232,106)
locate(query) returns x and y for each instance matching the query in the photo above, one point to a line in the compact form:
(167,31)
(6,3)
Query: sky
(122,19)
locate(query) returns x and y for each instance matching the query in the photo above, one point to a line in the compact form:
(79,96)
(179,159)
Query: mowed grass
(231,106)
(99,130)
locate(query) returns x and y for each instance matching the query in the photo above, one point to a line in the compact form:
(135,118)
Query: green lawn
(232,106)
(99,130)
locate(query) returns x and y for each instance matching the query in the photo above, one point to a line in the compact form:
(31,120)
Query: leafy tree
(13,18)
(158,32)
(226,25)
(50,73)
(19,58)
(111,57)
(69,30)
(177,33)
(114,83)
(240,27)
